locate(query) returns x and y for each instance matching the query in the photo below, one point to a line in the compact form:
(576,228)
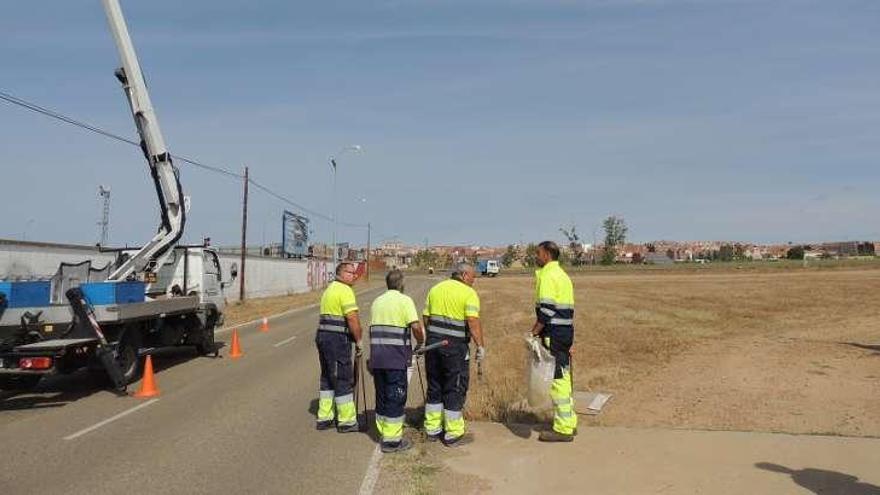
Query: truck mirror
(233,271)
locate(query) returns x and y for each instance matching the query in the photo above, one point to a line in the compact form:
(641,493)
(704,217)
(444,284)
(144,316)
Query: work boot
(459,441)
(349,428)
(392,447)
(324,425)
(434,438)
(554,436)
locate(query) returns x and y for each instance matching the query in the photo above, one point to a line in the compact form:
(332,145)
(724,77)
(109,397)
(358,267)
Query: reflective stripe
(326,394)
(549,301)
(388,329)
(447,321)
(565,306)
(564,414)
(560,402)
(345,398)
(332,323)
(561,321)
(389,335)
(472,309)
(433,408)
(388,342)
(349,307)
(452,415)
(548,311)
(445,331)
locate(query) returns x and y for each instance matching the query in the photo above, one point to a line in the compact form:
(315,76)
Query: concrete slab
(510,460)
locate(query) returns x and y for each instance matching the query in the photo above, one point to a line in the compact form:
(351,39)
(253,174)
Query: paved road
(220,425)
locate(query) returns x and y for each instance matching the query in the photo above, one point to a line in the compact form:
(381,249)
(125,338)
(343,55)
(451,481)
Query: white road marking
(110,420)
(372,474)
(285,341)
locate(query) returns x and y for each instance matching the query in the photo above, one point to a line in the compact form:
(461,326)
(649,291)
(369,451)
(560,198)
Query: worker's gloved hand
(418,351)
(358,350)
(481,354)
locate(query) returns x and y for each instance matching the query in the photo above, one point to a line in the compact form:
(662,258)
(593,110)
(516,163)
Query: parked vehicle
(488,268)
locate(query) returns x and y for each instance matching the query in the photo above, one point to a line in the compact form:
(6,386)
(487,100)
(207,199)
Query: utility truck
(161,294)
(488,268)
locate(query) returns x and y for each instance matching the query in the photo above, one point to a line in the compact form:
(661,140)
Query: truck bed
(61,314)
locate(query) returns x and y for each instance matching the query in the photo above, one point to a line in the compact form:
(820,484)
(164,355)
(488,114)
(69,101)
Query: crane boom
(149,258)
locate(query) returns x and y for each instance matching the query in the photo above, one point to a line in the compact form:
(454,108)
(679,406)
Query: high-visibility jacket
(448,306)
(554,299)
(390,317)
(337,301)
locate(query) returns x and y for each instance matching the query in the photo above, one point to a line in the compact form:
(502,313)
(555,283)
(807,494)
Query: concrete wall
(265,276)
(275,277)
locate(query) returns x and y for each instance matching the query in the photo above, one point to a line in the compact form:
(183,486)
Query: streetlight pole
(369,230)
(355,148)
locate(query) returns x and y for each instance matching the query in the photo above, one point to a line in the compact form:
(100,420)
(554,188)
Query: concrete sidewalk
(510,460)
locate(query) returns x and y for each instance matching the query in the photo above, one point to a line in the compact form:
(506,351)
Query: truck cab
(191,271)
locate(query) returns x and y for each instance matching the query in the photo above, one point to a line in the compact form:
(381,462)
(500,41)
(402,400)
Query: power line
(97,130)
(289,201)
(93,128)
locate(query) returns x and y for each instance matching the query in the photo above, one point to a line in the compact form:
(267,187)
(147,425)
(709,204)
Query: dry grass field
(776,350)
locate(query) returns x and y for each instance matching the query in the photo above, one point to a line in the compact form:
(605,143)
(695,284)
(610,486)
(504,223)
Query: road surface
(219,426)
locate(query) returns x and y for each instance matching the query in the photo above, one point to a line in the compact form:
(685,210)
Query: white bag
(541,366)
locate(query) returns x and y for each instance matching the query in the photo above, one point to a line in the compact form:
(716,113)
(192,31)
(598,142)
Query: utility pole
(244,205)
(104,193)
(369,228)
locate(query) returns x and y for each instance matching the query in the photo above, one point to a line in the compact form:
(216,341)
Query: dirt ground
(794,351)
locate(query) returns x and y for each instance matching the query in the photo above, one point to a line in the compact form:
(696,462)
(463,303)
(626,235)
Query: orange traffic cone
(264,327)
(235,353)
(148,384)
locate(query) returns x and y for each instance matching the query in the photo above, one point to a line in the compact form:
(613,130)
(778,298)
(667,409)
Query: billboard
(294,235)
(342,250)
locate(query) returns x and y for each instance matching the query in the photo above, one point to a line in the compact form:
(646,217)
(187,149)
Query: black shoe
(434,438)
(401,446)
(554,436)
(458,441)
(324,425)
(349,428)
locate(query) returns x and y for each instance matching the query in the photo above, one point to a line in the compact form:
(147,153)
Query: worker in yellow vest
(452,312)
(554,325)
(338,328)
(394,319)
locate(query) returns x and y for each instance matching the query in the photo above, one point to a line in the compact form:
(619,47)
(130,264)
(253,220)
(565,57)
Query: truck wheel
(127,359)
(19,382)
(207,345)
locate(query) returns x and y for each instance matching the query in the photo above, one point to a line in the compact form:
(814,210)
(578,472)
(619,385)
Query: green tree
(739,252)
(795,253)
(615,235)
(575,254)
(531,257)
(509,256)
(726,253)
(425,258)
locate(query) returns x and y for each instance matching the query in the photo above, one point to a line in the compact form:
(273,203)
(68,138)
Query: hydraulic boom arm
(165,176)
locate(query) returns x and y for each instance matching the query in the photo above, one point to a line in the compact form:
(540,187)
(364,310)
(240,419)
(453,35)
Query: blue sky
(482,121)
